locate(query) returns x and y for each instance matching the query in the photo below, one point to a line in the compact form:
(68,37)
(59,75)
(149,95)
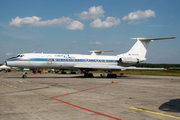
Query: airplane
(87,63)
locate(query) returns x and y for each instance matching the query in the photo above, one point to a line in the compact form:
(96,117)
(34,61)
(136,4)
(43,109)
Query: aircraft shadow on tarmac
(171,106)
(29,77)
(65,76)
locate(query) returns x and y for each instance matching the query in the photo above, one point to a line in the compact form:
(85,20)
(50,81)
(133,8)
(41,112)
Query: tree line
(149,65)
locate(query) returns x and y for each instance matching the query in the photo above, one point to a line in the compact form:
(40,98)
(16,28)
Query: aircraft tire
(73,73)
(63,73)
(111,76)
(88,75)
(24,76)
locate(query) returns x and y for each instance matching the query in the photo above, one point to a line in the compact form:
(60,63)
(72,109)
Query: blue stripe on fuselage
(38,59)
(53,59)
(28,59)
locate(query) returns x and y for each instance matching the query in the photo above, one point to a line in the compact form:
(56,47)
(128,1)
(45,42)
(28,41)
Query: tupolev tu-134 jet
(87,63)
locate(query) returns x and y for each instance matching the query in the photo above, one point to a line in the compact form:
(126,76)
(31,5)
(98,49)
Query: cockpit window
(19,55)
(16,56)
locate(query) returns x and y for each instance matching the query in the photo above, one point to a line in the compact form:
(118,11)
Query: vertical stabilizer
(139,49)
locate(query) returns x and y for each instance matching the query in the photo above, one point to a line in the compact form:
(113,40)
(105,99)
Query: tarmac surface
(73,97)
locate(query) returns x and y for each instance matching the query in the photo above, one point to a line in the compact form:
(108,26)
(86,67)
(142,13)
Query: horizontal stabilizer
(96,52)
(152,39)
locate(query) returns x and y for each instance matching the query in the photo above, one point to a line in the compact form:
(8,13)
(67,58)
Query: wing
(110,67)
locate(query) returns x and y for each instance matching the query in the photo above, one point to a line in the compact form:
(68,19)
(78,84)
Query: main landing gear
(72,72)
(110,75)
(63,72)
(87,74)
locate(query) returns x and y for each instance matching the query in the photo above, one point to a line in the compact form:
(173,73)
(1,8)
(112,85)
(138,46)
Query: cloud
(36,21)
(118,43)
(94,13)
(8,54)
(156,25)
(139,15)
(18,36)
(109,22)
(137,22)
(73,41)
(75,25)
(95,43)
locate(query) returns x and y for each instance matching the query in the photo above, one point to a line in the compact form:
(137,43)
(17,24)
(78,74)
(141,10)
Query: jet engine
(128,60)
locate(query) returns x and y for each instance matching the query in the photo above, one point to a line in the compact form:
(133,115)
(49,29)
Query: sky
(79,26)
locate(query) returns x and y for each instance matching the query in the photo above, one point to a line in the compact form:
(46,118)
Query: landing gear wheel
(72,72)
(24,76)
(63,72)
(88,75)
(111,76)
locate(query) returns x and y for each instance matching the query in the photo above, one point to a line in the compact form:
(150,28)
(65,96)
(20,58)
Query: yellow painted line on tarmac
(149,111)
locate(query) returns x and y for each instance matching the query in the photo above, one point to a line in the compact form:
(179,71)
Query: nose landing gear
(24,74)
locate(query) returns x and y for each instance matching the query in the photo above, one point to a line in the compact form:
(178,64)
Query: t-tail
(138,52)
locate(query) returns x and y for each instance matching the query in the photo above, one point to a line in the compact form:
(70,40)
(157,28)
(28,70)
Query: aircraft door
(49,60)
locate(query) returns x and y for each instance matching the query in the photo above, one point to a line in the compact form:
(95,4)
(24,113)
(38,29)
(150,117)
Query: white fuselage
(60,61)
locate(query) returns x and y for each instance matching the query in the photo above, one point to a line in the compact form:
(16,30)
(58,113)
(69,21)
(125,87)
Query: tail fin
(139,49)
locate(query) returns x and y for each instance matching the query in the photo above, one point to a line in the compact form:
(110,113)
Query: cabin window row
(85,60)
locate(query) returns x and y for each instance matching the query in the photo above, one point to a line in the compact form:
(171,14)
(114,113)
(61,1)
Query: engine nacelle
(128,60)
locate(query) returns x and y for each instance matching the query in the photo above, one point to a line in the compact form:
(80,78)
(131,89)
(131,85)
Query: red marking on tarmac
(54,98)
